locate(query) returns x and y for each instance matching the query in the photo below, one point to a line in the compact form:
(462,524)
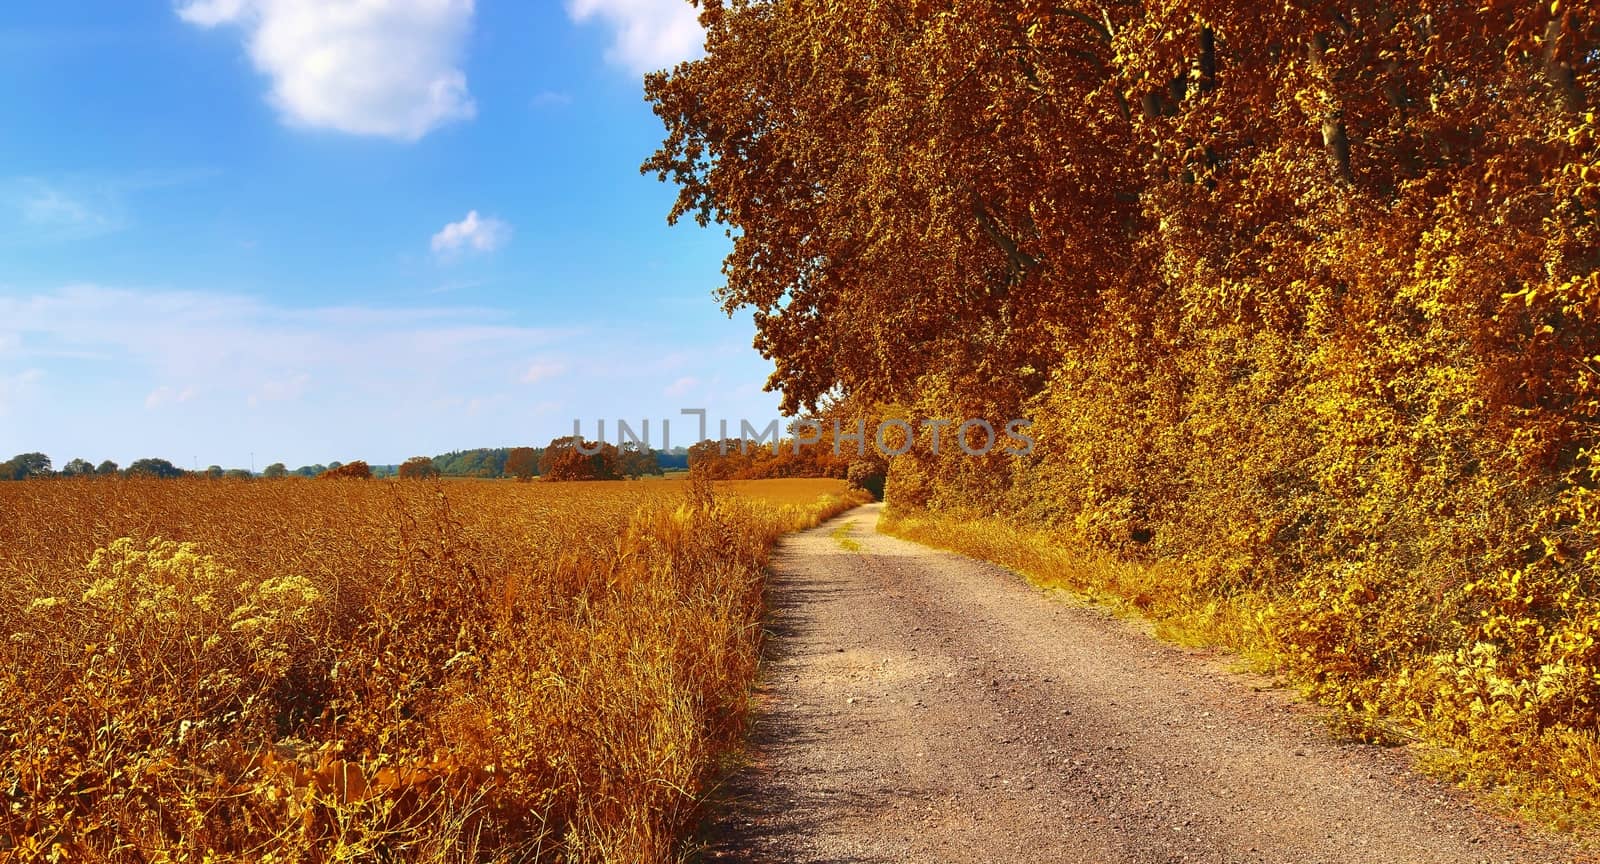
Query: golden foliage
(374,671)
(1303,298)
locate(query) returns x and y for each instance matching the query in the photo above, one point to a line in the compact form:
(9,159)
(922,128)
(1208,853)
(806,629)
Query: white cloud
(165,395)
(646,34)
(60,209)
(283,389)
(52,208)
(76,207)
(302,384)
(233,347)
(474,233)
(552,99)
(681,387)
(457,285)
(367,67)
(543,370)
(210,13)
(14,387)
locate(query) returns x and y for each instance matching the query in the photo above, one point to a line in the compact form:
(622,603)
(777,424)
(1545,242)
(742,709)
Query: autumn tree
(1303,297)
(160,469)
(485,463)
(635,460)
(418,468)
(564,460)
(25,465)
(1133,218)
(522,463)
(726,459)
(78,468)
(963,115)
(357,470)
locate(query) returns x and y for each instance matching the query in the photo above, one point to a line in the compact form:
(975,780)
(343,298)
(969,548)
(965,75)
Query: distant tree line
(525,463)
(561,460)
(27,465)
(30,465)
(572,458)
(743,459)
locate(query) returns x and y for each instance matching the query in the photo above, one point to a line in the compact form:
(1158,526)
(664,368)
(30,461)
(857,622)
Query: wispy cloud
(52,208)
(75,207)
(646,34)
(168,395)
(285,389)
(543,370)
(119,373)
(204,346)
(455,285)
(473,233)
(15,386)
(681,387)
(551,99)
(390,69)
(60,210)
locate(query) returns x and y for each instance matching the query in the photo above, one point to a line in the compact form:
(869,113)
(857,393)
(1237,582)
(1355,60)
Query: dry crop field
(341,670)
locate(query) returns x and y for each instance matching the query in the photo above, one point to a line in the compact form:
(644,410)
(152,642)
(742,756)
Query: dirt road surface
(922,706)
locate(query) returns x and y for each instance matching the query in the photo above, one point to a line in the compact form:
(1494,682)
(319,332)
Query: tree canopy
(418,468)
(78,468)
(357,470)
(563,460)
(522,463)
(483,463)
(25,465)
(160,469)
(1304,297)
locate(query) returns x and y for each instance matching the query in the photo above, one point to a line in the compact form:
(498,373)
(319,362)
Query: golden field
(398,671)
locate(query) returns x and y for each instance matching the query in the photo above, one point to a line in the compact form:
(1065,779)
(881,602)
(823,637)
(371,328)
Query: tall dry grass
(345,671)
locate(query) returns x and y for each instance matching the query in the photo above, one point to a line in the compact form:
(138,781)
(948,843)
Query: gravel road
(922,706)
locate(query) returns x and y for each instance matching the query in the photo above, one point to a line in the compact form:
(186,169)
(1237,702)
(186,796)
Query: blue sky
(338,229)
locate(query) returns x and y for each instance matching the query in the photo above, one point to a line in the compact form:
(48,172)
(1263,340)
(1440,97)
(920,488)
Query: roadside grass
(841,535)
(1151,592)
(318,671)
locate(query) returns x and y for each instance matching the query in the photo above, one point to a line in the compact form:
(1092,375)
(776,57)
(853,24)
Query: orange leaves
(306,774)
(357,470)
(1304,297)
(896,193)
